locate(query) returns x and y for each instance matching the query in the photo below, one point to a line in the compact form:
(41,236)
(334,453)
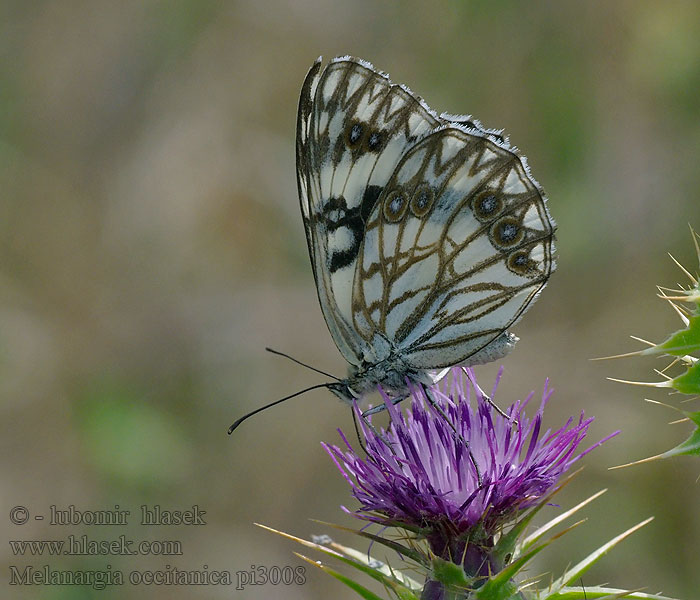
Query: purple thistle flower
(458,488)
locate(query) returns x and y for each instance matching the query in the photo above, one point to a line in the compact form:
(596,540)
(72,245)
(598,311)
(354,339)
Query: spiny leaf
(500,586)
(689,382)
(601,593)
(388,579)
(353,585)
(450,574)
(302,541)
(683,342)
(400,548)
(383,568)
(538,533)
(690,447)
(578,570)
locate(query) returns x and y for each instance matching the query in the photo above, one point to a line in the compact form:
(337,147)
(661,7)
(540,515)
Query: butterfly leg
(357,429)
(488,399)
(368,413)
(380,407)
(443,414)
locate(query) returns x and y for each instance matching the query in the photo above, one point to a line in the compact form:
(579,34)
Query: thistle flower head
(459,473)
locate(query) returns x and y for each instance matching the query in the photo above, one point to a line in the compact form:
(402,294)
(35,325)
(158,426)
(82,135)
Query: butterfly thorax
(392,375)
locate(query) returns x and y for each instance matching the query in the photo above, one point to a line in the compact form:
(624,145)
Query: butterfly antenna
(302,364)
(275,403)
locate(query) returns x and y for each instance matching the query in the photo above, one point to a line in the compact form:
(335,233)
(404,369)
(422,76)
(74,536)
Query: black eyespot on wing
(506,233)
(353,134)
(395,205)
(487,205)
(520,263)
(375,141)
(422,200)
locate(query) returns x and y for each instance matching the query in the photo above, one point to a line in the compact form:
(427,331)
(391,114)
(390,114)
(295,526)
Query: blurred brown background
(151,246)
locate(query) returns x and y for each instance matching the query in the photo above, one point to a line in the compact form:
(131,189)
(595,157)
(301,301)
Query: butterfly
(428,236)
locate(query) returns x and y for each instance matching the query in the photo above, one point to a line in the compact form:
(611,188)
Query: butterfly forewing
(354,127)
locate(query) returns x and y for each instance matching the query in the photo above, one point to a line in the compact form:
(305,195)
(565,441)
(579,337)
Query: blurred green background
(151,246)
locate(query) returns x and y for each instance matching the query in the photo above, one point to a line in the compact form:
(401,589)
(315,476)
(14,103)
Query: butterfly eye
(487,205)
(353,134)
(507,232)
(395,206)
(520,263)
(422,200)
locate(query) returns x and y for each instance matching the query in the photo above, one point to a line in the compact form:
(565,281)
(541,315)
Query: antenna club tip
(236,424)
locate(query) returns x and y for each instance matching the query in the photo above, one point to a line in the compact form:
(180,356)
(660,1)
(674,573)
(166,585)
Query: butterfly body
(427,235)
(395,375)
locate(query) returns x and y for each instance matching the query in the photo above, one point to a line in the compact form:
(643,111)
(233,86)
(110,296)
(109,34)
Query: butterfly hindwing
(455,250)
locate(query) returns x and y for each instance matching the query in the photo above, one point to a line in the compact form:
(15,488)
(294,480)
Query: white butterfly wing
(457,247)
(353,128)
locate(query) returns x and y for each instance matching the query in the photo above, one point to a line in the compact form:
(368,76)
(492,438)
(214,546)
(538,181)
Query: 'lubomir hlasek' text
(150,515)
